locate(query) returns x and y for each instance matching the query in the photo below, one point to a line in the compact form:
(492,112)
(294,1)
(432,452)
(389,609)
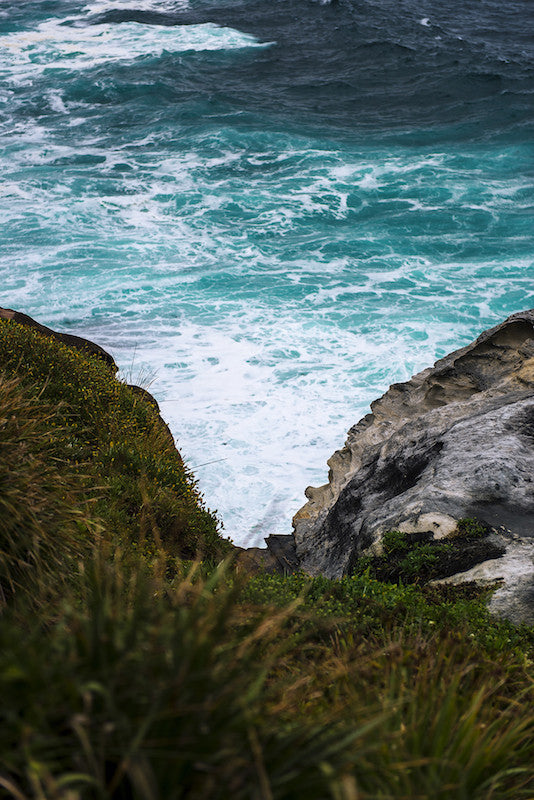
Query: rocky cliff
(455,441)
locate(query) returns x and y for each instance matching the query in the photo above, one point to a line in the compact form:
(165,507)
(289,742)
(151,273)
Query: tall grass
(103,428)
(135,687)
(43,506)
(154,691)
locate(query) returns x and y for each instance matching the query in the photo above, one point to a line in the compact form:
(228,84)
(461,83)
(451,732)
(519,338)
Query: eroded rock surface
(455,441)
(514,571)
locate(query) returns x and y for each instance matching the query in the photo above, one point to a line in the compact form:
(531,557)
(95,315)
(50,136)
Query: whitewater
(267,210)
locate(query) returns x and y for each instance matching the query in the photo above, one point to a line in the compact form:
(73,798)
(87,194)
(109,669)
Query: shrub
(395,543)
(470,529)
(418,558)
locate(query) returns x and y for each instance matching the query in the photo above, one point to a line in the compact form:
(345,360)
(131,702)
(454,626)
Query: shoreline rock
(455,441)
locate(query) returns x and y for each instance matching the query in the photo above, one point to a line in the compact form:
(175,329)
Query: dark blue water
(267,210)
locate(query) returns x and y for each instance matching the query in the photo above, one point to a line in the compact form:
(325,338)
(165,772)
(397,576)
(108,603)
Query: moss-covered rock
(419,558)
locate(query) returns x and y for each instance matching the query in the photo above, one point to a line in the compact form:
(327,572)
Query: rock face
(455,441)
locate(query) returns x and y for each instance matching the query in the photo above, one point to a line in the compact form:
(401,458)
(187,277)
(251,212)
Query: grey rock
(457,440)
(283,549)
(255,560)
(514,599)
(278,558)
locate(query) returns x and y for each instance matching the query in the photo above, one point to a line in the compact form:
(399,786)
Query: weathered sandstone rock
(514,571)
(457,440)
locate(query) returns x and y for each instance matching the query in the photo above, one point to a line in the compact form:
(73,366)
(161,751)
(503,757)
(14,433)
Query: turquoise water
(267,211)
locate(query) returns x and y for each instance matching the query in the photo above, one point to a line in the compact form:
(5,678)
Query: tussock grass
(44,518)
(102,428)
(156,691)
(137,687)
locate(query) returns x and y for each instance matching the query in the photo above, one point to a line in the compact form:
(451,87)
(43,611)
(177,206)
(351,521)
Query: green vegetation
(112,440)
(127,671)
(417,558)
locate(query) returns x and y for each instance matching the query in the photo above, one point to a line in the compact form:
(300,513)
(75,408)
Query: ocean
(267,210)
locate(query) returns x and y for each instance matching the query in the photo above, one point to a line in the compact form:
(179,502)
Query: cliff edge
(456,441)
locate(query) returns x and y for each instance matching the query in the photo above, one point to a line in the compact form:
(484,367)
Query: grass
(130,672)
(45,515)
(132,685)
(99,428)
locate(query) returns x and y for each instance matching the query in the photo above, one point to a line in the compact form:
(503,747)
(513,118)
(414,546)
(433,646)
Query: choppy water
(271,209)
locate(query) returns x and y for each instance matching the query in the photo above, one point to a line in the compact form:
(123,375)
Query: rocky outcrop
(455,441)
(278,558)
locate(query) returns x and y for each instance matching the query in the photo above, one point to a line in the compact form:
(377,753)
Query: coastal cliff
(136,657)
(456,441)
(452,444)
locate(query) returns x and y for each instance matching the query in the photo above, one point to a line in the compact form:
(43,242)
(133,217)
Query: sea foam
(266,237)
(62,44)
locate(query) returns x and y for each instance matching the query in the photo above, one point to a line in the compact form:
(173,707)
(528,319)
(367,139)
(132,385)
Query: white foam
(368,182)
(56,101)
(54,44)
(225,398)
(13,189)
(159,6)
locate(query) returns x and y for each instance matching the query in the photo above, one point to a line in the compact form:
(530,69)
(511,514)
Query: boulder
(455,441)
